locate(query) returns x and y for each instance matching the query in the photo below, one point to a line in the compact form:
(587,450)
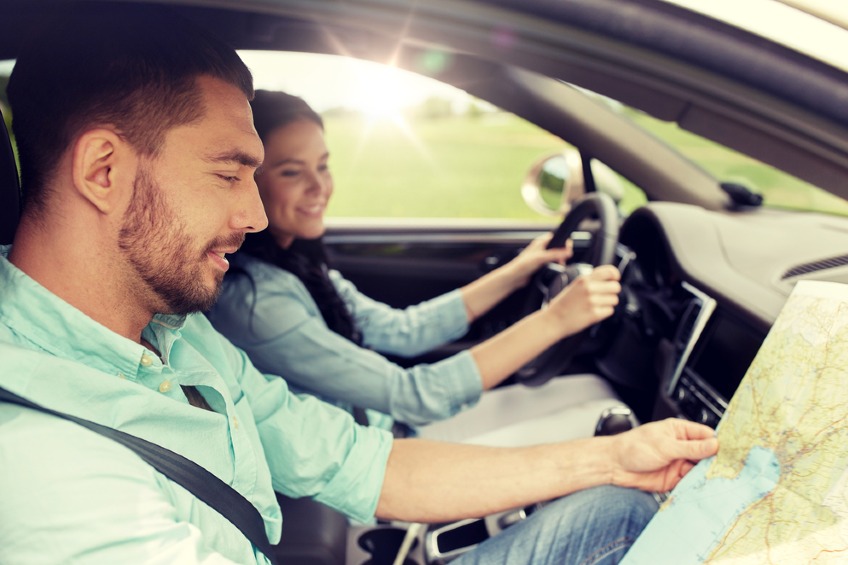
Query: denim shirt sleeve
(409,331)
(283,333)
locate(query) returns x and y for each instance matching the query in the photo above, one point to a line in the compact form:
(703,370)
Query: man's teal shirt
(71,495)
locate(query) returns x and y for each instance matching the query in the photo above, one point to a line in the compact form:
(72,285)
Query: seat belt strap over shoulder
(214,492)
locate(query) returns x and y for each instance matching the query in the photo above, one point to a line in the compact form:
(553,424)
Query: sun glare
(329,82)
(380,94)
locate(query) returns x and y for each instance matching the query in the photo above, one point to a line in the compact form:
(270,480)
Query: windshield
(778,189)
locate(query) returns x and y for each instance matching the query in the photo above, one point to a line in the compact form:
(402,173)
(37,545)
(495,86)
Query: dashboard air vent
(831,263)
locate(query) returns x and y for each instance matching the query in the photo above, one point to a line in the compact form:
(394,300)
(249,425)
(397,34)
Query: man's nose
(252,212)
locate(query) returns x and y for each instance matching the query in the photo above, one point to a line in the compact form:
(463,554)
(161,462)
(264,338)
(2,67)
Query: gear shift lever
(615,420)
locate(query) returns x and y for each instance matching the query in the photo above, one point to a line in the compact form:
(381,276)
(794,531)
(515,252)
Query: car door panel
(402,266)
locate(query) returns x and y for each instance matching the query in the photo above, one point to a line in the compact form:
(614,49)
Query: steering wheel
(551,279)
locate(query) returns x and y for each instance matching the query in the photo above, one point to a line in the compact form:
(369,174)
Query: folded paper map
(777,491)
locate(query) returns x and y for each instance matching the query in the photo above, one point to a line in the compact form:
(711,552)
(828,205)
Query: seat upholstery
(313,534)
(10,191)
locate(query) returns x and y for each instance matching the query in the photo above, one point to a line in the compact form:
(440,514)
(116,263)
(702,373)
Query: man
(137,157)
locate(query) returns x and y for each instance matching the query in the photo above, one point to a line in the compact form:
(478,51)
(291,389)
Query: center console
(436,544)
(712,349)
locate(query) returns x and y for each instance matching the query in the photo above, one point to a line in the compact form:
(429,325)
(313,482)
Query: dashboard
(700,292)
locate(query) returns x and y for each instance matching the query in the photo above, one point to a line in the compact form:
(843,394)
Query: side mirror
(556,181)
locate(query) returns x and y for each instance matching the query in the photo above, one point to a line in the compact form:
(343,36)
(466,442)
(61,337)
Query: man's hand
(655,456)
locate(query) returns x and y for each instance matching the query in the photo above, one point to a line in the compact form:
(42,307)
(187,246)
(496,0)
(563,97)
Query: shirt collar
(40,317)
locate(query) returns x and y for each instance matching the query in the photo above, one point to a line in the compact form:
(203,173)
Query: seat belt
(220,496)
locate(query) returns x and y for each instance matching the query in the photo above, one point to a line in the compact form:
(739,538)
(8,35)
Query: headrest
(10,188)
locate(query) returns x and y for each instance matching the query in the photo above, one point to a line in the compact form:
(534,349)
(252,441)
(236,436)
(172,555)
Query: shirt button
(146,360)
(235,422)
(165,386)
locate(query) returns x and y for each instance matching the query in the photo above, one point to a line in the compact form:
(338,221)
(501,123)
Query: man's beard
(163,255)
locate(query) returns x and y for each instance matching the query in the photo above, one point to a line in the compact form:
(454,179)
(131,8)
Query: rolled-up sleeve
(315,449)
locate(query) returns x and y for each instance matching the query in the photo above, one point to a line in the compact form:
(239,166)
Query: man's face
(192,204)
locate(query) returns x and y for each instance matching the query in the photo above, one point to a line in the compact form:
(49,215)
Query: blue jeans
(592,527)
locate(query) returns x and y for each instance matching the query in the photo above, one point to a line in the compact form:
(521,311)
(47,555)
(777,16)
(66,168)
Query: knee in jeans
(601,506)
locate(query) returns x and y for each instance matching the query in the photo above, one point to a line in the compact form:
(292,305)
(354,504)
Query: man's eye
(228,178)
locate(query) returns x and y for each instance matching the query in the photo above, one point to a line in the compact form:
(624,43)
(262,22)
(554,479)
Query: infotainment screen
(724,351)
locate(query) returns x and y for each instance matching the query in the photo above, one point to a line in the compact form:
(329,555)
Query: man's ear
(102,164)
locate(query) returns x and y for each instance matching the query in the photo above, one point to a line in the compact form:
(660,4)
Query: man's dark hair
(130,67)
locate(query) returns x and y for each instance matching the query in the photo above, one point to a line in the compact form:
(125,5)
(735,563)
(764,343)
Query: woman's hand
(587,300)
(533,257)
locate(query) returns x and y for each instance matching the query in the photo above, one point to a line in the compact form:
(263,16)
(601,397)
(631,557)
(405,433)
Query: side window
(5,71)
(405,146)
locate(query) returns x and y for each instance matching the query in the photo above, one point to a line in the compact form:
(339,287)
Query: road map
(777,491)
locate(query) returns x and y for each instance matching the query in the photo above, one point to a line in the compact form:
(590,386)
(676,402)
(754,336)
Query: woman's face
(294,182)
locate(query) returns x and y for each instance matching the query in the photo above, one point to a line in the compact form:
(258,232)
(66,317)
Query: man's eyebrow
(239,157)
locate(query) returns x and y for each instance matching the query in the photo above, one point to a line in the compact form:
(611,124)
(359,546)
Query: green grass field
(450,167)
(473,167)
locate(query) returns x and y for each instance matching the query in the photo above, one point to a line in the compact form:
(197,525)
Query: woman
(297,319)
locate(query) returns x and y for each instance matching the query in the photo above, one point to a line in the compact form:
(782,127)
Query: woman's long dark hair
(306,259)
